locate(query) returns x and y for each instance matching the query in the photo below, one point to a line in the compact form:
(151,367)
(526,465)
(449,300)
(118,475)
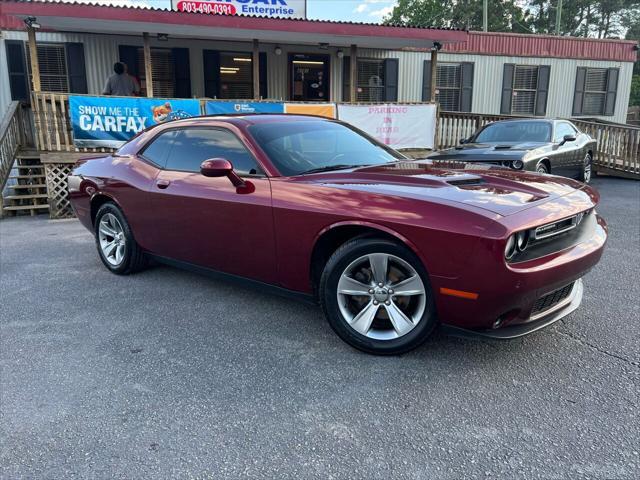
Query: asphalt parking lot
(170,374)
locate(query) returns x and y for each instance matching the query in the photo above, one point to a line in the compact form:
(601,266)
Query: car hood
(498,190)
(487,151)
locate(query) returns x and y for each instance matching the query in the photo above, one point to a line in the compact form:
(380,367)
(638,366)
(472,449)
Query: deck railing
(618,150)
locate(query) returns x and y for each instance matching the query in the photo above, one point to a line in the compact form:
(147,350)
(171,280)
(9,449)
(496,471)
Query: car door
(567,154)
(208,221)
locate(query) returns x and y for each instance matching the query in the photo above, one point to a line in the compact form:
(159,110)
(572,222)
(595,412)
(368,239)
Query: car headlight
(517,164)
(510,249)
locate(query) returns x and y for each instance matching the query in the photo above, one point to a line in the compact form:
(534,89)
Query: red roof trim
(148,15)
(545,46)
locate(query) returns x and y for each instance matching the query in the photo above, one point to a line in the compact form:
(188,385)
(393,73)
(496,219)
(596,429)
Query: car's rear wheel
(542,168)
(587,166)
(117,248)
(376,296)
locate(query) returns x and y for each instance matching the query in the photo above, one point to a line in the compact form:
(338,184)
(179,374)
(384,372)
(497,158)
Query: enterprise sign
(262,8)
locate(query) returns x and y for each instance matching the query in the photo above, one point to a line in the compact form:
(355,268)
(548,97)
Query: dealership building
(263,49)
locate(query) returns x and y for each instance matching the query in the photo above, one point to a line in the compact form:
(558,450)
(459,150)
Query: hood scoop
(502,147)
(466,181)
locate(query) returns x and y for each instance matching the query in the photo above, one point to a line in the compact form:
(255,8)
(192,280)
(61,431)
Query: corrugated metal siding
(101,51)
(545,46)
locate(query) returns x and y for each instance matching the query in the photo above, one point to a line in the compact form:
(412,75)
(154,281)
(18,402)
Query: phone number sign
(262,8)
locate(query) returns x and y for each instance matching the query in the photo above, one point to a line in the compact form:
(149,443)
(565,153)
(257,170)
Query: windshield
(303,147)
(515,132)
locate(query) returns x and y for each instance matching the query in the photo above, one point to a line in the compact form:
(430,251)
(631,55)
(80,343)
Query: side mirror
(568,138)
(463,140)
(220,167)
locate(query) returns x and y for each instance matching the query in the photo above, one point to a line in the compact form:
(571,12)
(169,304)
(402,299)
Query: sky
(369,11)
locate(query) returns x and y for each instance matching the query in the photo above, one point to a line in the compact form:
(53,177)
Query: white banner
(261,8)
(399,126)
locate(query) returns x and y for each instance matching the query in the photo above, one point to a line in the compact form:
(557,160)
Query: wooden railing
(617,147)
(15,133)
(617,151)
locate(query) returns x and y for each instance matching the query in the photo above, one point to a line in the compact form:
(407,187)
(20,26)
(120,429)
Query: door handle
(162,184)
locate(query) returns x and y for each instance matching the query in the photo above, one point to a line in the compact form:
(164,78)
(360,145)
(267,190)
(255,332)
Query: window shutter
(466,86)
(426,81)
(544,72)
(181,73)
(507,88)
(264,90)
(211,63)
(346,79)
(578,95)
(391,79)
(129,55)
(76,70)
(18,83)
(612,90)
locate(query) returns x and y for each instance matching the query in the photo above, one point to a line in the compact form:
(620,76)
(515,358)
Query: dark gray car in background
(538,145)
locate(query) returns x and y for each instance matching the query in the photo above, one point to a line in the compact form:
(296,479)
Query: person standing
(121,83)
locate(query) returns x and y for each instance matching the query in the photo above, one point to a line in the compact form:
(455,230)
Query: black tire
(133,259)
(542,168)
(587,164)
(336,265)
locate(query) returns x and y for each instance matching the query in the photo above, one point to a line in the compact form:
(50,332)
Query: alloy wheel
(112,239)
(381,296)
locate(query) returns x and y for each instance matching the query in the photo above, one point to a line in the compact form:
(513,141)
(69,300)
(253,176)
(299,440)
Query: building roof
(528,45)
(124,19)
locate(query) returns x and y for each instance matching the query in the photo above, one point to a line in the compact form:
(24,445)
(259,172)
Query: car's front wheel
(117,248)
(542,168)
(376,296)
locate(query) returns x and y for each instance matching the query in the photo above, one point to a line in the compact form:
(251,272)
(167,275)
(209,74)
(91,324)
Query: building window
(236,75)
(525,82)
(448,83)
(52,61)
(162,63)
(370,85)
(595,91)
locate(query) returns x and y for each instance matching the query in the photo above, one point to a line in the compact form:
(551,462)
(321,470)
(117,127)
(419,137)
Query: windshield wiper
(328,168)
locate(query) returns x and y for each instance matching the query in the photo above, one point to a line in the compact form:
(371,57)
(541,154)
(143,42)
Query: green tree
(634,98)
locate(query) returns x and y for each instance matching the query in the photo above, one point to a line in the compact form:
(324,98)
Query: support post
(33,53)
(148,65)
(353,78)
(434,74)
(485,16)
(558,17)
(255,63)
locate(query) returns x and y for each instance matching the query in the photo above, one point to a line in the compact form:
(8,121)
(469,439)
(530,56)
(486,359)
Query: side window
(158,150)
(192,146)
(563,129)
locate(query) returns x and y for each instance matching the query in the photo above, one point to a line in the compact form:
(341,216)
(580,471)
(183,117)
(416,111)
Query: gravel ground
(169,374)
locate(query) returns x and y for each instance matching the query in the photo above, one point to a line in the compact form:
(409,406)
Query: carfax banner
(399,126)
(221,107)
(111,121)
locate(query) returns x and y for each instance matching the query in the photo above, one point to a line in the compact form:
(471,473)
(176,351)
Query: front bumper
(535,323)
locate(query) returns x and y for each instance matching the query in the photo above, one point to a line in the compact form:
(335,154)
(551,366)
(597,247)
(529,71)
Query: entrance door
(309,80)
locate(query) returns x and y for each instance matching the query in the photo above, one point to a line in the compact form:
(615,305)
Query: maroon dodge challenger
(314,207)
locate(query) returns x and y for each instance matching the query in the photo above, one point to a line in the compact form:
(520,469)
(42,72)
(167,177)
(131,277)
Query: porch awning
(82,17)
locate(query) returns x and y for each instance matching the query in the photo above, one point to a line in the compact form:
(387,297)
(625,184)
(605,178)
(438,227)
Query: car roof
(247,119)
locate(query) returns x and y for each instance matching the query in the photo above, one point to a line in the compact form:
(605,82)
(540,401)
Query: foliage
(634,99)
(584,18)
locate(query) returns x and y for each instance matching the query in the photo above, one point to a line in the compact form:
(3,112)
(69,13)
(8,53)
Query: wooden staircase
(26,190)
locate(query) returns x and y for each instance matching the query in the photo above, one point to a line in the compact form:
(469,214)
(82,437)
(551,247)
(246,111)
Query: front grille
(552,299)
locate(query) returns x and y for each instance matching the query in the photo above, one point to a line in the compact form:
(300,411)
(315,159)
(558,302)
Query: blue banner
(111,121)
(222,108)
